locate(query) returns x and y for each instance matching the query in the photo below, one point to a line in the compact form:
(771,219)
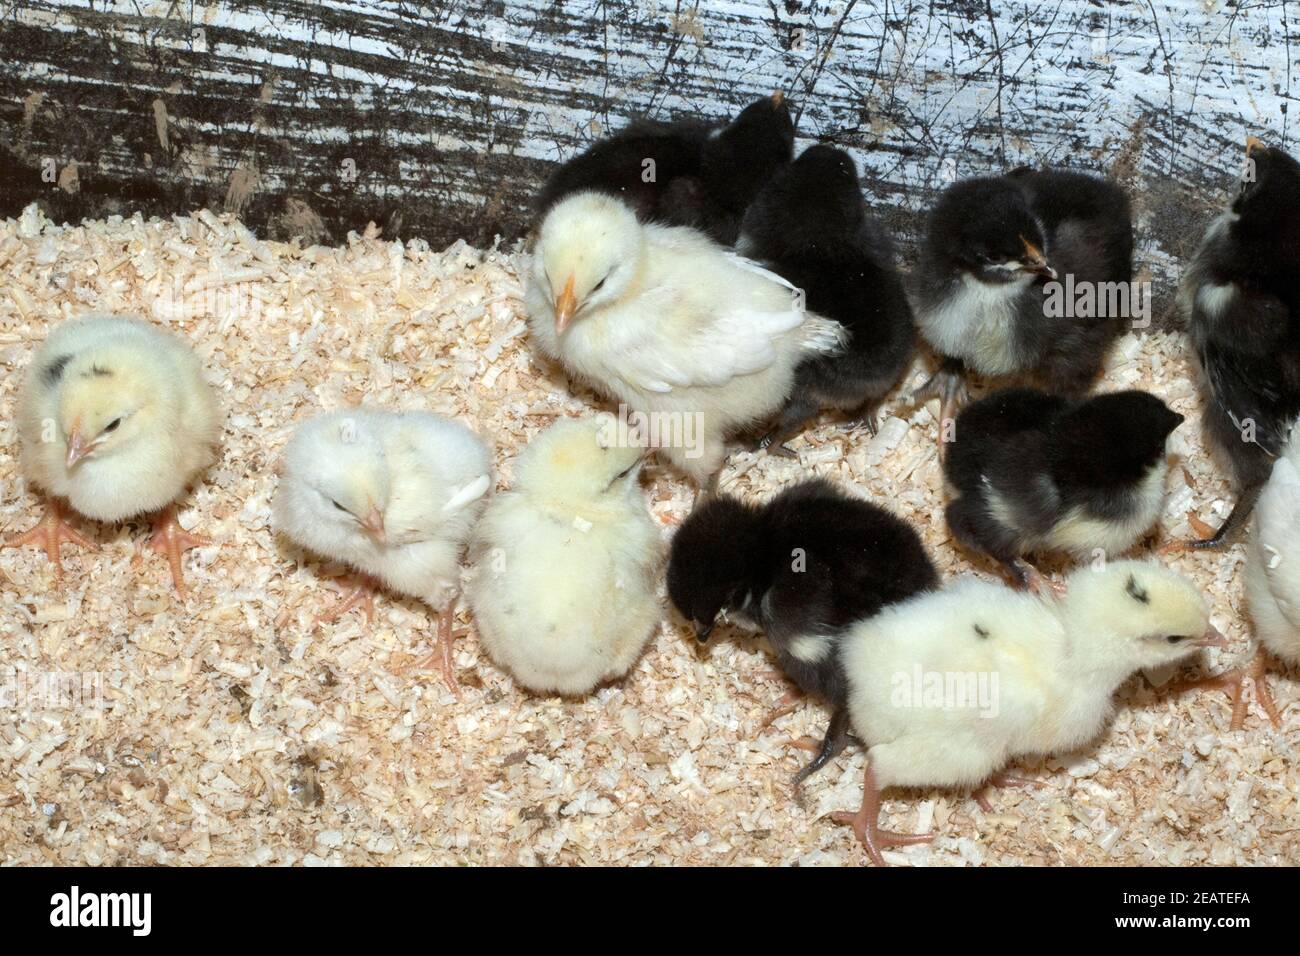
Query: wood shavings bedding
(230,731)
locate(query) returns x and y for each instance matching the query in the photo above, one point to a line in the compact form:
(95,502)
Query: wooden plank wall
(440,119)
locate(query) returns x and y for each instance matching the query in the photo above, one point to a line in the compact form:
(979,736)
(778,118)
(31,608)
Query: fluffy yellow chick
(393,495)
(947,687)
(115,418)
(701,341)
(563,592)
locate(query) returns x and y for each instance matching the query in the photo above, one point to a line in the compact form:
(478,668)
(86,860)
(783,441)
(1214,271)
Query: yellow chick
(567,561)
(698,340)
(116,418)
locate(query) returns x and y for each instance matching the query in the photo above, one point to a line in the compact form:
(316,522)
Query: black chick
(620,164)
(801,568)
(1241,296)
(736,162)
(1038,472)
(810,226)
(991,249)
(704,174)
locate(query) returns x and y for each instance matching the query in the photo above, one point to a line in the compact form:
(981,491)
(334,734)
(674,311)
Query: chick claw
(1001,780)
(355,591)
(50,532)
(786,705)
(866,823)
(172,541)
(950,388)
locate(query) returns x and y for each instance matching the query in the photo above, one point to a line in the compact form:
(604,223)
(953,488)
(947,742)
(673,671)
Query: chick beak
(1253,143)
(1035,261)
(777,99)
(1213,638)
(702,631)
(565,306)
(374,524)
(77,448)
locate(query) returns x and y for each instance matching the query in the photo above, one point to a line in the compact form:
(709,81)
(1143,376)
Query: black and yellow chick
(1034,472)
(982,284)
(1241,297)
(810,226)
(801,569)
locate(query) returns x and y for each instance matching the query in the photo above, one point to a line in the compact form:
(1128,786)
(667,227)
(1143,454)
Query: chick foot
(866,823)
(1036,582)
(830,746)
(171,541)
(447,634)
(50,533)
(786,705)
(776,445)
(1233,682)
(359,590)
(1001,780)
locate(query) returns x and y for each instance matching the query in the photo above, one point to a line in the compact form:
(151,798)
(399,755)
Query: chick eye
(598,285)
(112,426)
(1176,638)
(337,505)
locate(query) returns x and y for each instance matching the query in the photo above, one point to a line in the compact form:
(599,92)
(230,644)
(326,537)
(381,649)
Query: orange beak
(565,306)
(374,524)
(1213,638)
(1253,143)
(1036,260)
(77,448)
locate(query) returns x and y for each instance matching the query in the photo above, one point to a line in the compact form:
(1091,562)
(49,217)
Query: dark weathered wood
(441,119)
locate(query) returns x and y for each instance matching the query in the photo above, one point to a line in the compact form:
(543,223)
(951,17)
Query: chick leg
(1233,682)
(1237,520)
(172,541)
(50,532)
(1034,580)
(792,421)
(866,823)
(948,384)
(836,739)
(356,591)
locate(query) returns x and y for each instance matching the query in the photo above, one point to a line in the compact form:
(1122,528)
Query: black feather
(54,371)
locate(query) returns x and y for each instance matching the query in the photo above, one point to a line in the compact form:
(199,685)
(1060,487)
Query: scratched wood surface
(440,119)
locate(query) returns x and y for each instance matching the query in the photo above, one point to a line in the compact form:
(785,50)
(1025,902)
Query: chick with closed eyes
(1057,665)
(392,495)
(991,247)
(810,226)
(1036,472)
(567,562)
(802,569)
(115,418)
(669,323)
(1241,297)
